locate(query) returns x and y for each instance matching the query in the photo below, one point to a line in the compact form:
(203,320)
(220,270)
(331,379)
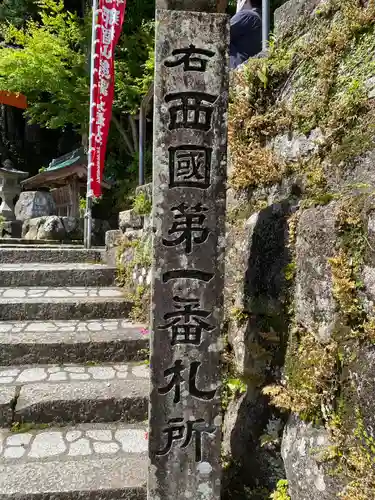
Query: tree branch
(124,135)
(134,131)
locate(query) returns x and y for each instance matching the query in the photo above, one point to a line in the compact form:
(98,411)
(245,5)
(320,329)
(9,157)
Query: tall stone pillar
(189,184)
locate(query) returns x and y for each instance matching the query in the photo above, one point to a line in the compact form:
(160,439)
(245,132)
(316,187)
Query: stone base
(63,229)
(11,229)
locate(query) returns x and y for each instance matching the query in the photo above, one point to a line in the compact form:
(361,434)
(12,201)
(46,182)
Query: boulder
(113,239)
(73,227)
(63,228)
(44,228)
(52,228)
(303,450)
(257,254)
(33,204)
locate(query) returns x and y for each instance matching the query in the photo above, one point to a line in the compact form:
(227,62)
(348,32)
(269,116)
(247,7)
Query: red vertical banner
(111,15)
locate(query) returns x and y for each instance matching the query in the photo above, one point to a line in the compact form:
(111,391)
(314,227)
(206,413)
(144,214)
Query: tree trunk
(124,135)
(134,132)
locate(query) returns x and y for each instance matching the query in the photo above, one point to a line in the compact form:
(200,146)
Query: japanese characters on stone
(189,167)
(189,219)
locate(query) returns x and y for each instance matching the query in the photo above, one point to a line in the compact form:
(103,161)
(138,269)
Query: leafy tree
(50,69)
(16,11)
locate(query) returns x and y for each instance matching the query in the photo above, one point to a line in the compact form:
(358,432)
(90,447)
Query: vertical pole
(266,14)
(88,212)
(142,118)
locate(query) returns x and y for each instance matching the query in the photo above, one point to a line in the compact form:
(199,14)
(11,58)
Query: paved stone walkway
(81,440)
(60,293)
(54,373)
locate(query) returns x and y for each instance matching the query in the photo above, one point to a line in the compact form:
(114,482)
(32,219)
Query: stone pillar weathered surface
(194,5)
(190,148)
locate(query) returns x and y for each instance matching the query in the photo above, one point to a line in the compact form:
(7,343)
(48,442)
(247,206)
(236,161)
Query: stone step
(49,275)
(37,303)
(71,341)
(56,254)
(84,462)
(36,243)
(74,393)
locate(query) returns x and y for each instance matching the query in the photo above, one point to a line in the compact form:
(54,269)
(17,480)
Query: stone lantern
(9,189)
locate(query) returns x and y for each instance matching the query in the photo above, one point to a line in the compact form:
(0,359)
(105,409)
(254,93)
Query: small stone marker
(190,148)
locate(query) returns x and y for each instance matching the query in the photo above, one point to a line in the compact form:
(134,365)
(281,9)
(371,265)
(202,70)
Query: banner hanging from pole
(110,18)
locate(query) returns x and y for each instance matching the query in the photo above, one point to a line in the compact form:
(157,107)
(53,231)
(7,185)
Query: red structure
(13,99)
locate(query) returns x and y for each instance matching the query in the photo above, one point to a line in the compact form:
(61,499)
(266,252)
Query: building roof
(60,170)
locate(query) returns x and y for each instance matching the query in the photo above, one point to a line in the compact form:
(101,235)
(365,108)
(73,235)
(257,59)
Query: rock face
(308,475)
(321,185)
(315,304)
(362,374)
(288,15)
(32,204)
(293,147)
(195,5)
(255,286)
(245,421)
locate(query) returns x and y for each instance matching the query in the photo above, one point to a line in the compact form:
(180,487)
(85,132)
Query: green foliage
(17,11)
(281,492)
(142,205)
(231,389)
(290,271)
(2,221)
(51,67)
(236,386)
(132,257)
(82,206)
(310,373)
(21,427)
(134,68)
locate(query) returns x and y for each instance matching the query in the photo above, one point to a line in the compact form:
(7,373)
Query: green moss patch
(137,257)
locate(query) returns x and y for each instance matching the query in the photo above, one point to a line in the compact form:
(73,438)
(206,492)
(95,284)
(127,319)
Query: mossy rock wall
(300,278)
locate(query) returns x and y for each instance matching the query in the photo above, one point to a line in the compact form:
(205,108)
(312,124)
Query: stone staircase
(73,387)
